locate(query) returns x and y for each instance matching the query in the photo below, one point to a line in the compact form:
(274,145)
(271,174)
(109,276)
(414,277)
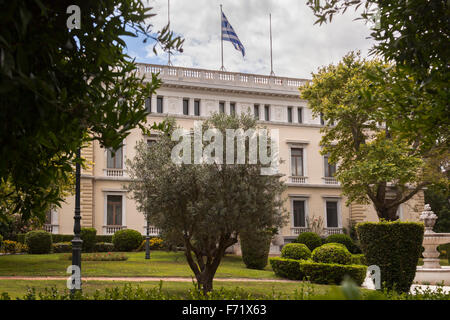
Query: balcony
(297,230)
(330,180)
(153,231)
(329,231)
(51,228)
(298,180)
(110,230)
(117,173)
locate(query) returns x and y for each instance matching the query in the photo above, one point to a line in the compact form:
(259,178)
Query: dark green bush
(69,237)
(104,238)
(296,251)
(345,240)
(126,240)
(103,247)
(287,268)
(62,247)
(330,273)
(21,238)
(395,247)
(1,240)
(38,241)
(310,239)
(88,235)
(255,247)
(332,253)
(359,259)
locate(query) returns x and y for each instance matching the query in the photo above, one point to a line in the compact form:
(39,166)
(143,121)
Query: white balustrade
(297,230)
(111,229)
(298,179)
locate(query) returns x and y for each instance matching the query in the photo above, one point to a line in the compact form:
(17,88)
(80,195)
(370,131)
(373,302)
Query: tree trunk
(205,280)
(389,214)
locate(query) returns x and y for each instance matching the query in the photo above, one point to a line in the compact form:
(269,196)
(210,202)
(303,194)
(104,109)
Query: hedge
(68,238)
(88,235)
(359,259)
(345,240)
(38,241)
(103,247)
(126,240)
(255,247)
(395,247)
(331,273)
(287,268)
(311,239)
(332,253)
(62,247)
(296,251)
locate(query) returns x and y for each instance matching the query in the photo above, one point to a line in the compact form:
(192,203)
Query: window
(297,162)
(148,104)
(150,142)
(256,111)
(114,210)
(222,107)
(159,104)
(300,115)
(267,112)
(197,107)
(232,108)
(399,212)
(48,217)
(114,161)
(186,107)
(330,169)
(289,114)
(299,213)
(322,121)
(332,214)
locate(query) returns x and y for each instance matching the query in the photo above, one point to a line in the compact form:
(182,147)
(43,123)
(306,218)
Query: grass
(18,288)
(161,264)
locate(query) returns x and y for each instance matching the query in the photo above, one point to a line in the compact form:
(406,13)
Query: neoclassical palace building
(194,94)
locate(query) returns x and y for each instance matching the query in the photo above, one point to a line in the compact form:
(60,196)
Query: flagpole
(222,68)
(168,21)
(271,61)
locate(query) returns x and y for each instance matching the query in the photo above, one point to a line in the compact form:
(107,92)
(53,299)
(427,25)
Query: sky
(299,46)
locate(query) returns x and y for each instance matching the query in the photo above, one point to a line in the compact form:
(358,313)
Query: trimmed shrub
(395,247)
(330,273)
(255,247)
(126,240)
(69,237)
(1,241)
(62,247)
(89,239)
(310,239)
(104,238)
(345,240)
(359,259)
(103,247)
(38,242)
(332,253)
(287,268)
(296,251)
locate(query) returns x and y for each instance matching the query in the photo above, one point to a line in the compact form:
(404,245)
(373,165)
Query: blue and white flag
(229,35)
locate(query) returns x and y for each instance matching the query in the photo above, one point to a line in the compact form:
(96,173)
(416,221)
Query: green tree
(438,196)
(204,206)
(375,163)
(61,88)
(413,35)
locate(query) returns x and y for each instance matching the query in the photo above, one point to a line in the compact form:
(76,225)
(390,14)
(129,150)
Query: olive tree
(205,206)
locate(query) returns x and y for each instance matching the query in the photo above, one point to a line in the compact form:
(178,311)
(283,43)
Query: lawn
(18,288)
(161,264)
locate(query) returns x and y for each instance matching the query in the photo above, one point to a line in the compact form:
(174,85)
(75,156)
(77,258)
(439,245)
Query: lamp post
(77,242)
(147,241)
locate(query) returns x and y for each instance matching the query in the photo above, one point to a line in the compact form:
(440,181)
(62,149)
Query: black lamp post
(77,242)
(147,242)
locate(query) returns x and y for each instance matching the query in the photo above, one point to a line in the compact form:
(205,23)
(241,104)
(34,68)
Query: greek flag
(229,35)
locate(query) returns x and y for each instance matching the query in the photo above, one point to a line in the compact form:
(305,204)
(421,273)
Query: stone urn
(429,219)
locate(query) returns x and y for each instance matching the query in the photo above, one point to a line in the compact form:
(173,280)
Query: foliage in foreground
(347,291)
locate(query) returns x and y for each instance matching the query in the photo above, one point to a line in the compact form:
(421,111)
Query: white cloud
(299,46)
